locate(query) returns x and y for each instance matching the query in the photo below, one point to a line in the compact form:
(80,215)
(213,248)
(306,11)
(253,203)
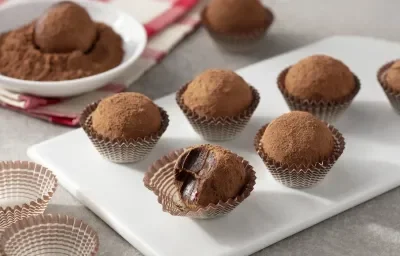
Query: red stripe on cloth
(185,3)
(153,54)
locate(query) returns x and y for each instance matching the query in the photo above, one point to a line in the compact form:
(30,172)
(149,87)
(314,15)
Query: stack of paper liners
(302,176)
(326,111)
(160,179)
(121,150)
(238,42)
(49,235)
(24,182)
(218,128)
(393,96)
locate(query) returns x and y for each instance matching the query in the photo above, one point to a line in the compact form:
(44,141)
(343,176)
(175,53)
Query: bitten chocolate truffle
(65,27)
(126,115)
(393,76)
(320,77)
(297,138)
(206,174)
(218,93)
(236,16)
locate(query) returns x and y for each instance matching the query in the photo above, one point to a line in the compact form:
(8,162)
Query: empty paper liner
(25,190)
(121,150)
(392,95)
(302,176)
(327,111)
(238,42)
(160,179)
(218,128)
(52,235)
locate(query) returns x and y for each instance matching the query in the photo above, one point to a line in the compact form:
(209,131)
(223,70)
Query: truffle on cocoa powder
(126,115)
(207,174)
(65,27)
(218,93)
(236,16)
(320,77)
(393,76)
(297,138)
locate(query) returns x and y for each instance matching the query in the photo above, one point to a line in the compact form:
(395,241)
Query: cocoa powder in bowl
(393,76)
(297,138)
(21,58)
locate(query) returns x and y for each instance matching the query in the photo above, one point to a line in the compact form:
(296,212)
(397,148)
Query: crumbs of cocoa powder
(21,59)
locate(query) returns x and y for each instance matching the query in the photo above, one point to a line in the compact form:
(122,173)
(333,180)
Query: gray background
(372,228)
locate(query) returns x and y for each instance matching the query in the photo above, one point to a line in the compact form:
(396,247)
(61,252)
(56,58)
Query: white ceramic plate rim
(44,84)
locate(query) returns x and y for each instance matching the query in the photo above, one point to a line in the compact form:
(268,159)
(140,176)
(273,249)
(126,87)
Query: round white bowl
(19,13)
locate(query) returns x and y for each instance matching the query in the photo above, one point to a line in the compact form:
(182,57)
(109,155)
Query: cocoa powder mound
(218,93)
(21,59)
(297,138)
(393,76)
(236,16)
(206,174)
(320,77)
(126,115)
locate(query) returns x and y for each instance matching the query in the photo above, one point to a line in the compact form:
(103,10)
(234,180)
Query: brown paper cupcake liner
(49,235)
(392,95)
(301,176)
(160,179)
(121,150)
(25,190)
(220,128)
(238,42)
(328,111)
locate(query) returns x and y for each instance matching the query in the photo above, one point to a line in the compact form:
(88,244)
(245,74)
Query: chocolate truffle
(320,77)
(236,16)
(207,174)
(393,76)
(126,115)
(297,138)
(65,27)
(218,93)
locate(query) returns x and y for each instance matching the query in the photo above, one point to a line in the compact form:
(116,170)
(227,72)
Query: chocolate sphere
(65,27)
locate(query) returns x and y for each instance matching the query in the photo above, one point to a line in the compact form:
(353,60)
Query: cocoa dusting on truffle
(236,16)
(393,76)
(20,57)
(207,174)
(65,27)
(297,138)
(126,115)
(320,77)
(218,93)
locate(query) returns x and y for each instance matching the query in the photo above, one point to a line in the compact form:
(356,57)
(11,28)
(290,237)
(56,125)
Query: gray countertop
(372,228)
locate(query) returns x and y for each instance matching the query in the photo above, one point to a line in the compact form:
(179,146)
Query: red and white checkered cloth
(166,21)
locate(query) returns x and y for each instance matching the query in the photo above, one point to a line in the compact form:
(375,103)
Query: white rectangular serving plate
(368,167)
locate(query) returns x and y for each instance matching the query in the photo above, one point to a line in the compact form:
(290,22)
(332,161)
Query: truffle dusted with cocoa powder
(218,93)
(65,27)
(207,174)
(393,76)
(126,115)
(297,138)
(320,77)
(236,16)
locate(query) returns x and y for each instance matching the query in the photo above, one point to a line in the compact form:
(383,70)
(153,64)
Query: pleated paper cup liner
(122,150)
(25,190)
(392,95)
(160,179)
(219,128)
(52,235)
(328,111)
(238,42)
(301,176)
